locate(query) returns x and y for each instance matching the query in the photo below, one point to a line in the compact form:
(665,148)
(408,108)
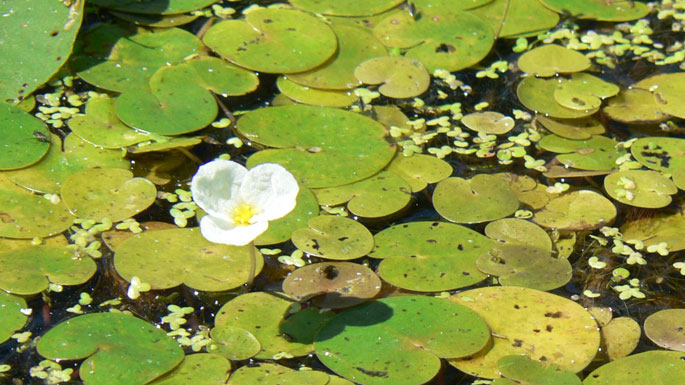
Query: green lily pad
(273,40)
(345,8)
(526,266)
(482,198)
(515,231)
(640,188)
(156,21)
(576,210)
(537,94)
(333,285)
(620,337)
(199,369)
(266,315)
(583,91)
(282,229)
(523,17)
(381,195)
(399,340)
(531,372)
(654,368)
(321,146)
(527,190)
(430,256)
(552,59)
(111,193)
(183,256)
(235,343)
(668,90)
(154,7)
(599,153)
(419,170)
(543,326)
(663,154)
(576,129)
(100,125)
(314,96)
(619,10)
(29,271)
(400,77)
(355,45)
(635,105)
(266,373)
(665,328)
(119,349)
(334,237)
(23,138)
(51,29)
(443,37)
(488,122)
(119,60)
(164,143)
(24,215)
(11,317)
(664,226)
(49,174)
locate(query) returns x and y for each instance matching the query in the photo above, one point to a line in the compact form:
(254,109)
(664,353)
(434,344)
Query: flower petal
(219,231)
(271,189)
(215,186)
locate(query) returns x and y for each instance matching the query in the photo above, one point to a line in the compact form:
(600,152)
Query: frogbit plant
(240,203)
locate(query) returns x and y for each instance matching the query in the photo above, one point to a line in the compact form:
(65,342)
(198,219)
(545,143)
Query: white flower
(240,203)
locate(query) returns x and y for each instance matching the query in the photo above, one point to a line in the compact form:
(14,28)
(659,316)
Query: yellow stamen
(242,214)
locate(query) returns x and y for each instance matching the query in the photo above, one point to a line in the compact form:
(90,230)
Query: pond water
(489,191)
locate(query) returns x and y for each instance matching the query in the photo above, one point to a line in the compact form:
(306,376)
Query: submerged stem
(253,265)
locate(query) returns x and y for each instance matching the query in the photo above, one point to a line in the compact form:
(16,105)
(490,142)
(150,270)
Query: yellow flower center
(243,213)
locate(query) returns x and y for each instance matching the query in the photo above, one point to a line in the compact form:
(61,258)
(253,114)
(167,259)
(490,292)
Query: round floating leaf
(30,27)
(11,317)
(400,77)
(168,258)
(514,231)
(334,237)
(154,7)
(576,210)
(48,175)
(666,328)
(430,256)
(523,17)
(119,349)
(321,146)
(419,170)
(100,125)
(668,92)
(119,60)
(164,143)
(653,368)
(333,285)
(537,94)
(345,8)
(399,340)
(313,96)
(273,40)
(664,226)
(620,336)
(443,37)
(23,138)
(111,193)
(598,153)
(267,316)
(577,129)
(282,229)
(530,372)
(381,195)
(662,154)
(543,326)
(479,199)
(156,21)
(198,369)
(635,105)
(265,373)
(583,91)
(25,215)
(527,190)
(640,188)
(488,122)
(7,244)
(113,238)
(552,59)
(355,45)
(30,270)
(526,266)
(235,343)
(621,10)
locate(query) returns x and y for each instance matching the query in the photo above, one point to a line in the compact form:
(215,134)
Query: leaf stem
(253,266)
